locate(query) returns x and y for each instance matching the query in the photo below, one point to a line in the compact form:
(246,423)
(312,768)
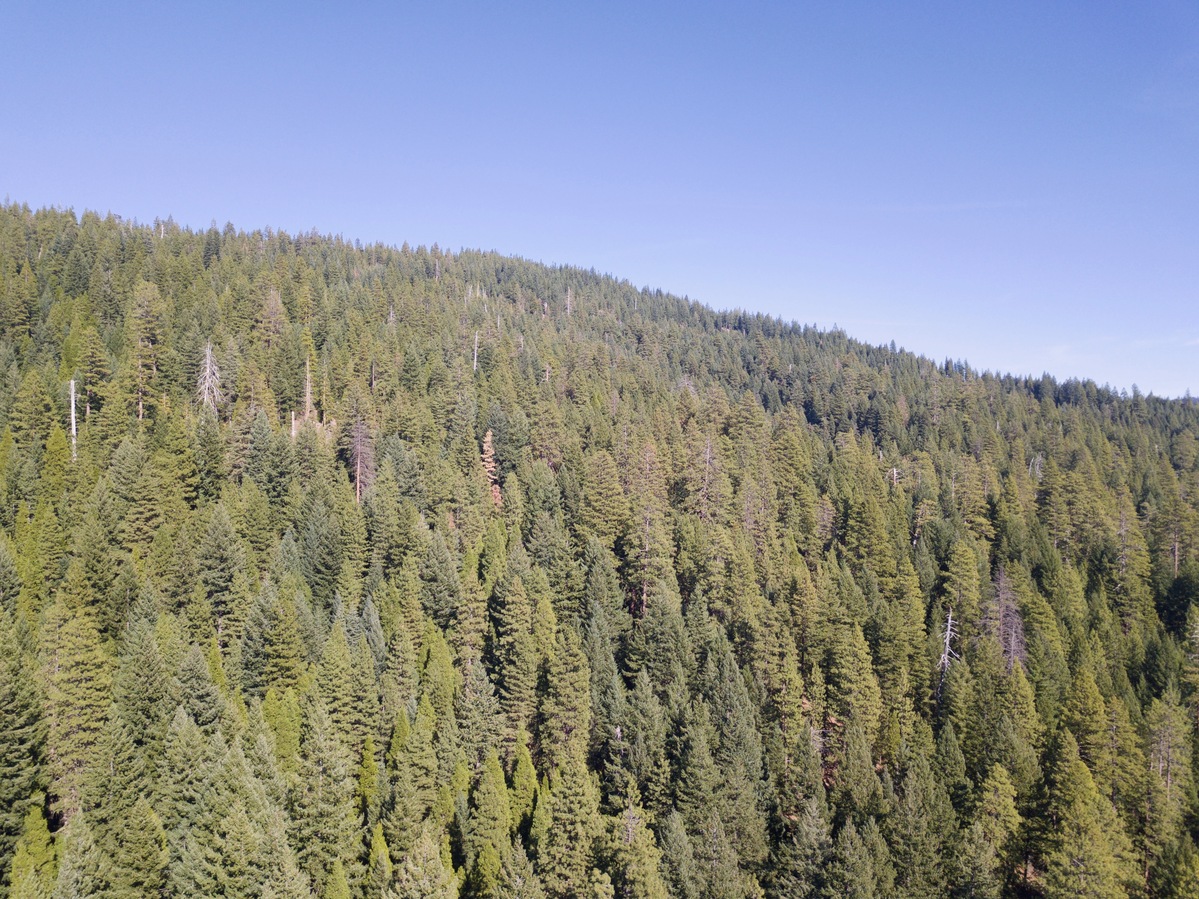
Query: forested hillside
(379,572)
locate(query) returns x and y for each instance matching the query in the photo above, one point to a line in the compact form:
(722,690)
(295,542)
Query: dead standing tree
(948,654)
(1002,620)
(208,382)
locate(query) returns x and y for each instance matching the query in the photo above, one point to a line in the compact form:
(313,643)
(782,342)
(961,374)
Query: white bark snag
(475,361)
(74,431)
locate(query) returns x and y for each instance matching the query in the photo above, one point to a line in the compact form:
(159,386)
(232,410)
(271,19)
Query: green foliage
(422,874)
(642,600)
(34,861)
(325,823)
(21,736)
(1089,853)
(78,695)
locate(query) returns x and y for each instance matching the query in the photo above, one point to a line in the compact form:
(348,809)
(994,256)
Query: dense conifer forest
(390,573)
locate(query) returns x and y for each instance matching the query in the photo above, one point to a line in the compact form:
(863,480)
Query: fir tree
(422,874)
(33,863)
(78,695)
(1088,851)
(82,869)
(441,590)
(21,736)
(378,867)
(322,801)
(635,857)
(565,855)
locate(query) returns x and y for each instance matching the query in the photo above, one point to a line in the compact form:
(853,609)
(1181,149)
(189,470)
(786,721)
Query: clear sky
(1014,184)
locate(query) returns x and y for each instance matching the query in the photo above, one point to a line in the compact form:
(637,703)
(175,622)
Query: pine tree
(962,590)
(145,338)
(1170,772)
(1175,875)
(996,812)
(853,689)
(646,538)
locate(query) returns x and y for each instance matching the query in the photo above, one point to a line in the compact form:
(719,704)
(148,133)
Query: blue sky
(1013,184)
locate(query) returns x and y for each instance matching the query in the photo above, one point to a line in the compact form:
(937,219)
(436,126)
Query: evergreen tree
(34,859)
(341,693)
(635,857)
(605,508)
(198,693)
(182,775)
(516,653)
(219,558)
(82,869)
(667,605)
(422,874)
(518,880)
(487,838)
(1088,851)
(21,736)
(921,833)
(139,856)
(566,853)
(78,695)
(322,801)
(142,688)
(379,867)
(851,869)
(441,591)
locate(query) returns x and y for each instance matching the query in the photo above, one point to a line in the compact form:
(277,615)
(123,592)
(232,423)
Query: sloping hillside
(362,571)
